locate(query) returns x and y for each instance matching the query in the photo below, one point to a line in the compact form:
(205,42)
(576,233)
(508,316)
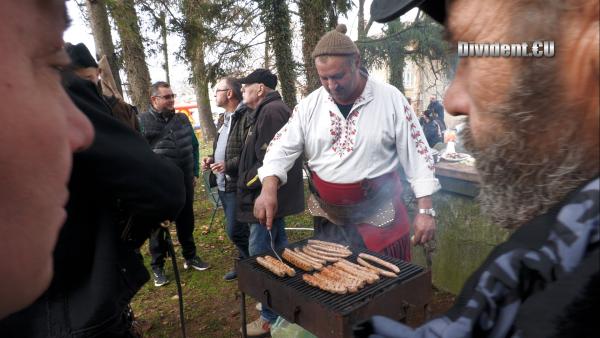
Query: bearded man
(534,133)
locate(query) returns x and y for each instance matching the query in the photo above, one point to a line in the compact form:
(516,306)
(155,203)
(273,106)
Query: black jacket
(263,123)
(95,272)
(174,143)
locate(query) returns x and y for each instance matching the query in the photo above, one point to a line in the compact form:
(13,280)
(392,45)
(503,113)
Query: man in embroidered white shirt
(355,133)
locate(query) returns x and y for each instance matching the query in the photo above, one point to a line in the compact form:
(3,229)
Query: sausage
(316,264)
(353,280)
(380,262)
(325,243)
(284,267)
(368,276)
(324,284)
(309,251)
(374,268)
(297,261)
(332,249)
(314,259)
(333,275)
(271,267)
(329,253)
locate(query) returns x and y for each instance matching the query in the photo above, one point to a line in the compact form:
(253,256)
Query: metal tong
(273,247)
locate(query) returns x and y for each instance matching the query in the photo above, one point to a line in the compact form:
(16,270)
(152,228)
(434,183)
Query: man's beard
(526,166)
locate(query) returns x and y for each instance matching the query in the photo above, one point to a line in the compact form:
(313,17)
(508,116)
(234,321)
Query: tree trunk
(138,77)
(362,34)
(267,52)
(396,75)
(103,37)
(276,19)
(164,46)
(313,27)
(332,14)
(194,46)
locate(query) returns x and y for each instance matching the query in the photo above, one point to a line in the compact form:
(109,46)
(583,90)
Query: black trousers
(185,231)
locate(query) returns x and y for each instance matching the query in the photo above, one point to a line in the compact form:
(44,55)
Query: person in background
(436,107)
(42,129)
(431,128)
(225,161)
(269,114)
(84,66)
(171,135)
(544,281)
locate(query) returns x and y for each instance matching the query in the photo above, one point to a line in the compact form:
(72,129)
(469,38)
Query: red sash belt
(375,238)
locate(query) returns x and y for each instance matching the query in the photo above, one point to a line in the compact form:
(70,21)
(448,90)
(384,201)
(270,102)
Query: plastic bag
(284,329)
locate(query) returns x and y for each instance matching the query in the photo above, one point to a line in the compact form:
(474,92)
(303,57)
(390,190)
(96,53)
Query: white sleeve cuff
(425,187)
(265,171)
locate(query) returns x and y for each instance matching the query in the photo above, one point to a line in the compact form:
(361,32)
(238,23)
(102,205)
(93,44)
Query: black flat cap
(80,56)
(263,76)
(388,10)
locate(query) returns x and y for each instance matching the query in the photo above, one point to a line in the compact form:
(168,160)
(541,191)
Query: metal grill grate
(341,304)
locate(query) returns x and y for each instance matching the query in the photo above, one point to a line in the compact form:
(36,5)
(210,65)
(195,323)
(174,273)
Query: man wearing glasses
(171,135)
(225,160)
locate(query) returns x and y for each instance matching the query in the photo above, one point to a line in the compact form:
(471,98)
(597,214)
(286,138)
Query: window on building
(407,77)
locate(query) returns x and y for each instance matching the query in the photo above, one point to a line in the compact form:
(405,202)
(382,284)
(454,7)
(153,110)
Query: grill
(332,315)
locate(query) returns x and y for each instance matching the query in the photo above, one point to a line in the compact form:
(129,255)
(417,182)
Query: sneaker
(258,328)
(230,276)
(195,263)
(159,277)
(258,307)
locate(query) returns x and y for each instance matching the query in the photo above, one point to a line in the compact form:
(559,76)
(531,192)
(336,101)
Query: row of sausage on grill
(333,272)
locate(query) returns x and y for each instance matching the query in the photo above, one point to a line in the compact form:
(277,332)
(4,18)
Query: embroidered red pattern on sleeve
(416,135)
(283,130)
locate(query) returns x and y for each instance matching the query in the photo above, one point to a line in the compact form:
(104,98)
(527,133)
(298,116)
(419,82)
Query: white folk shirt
(380,132)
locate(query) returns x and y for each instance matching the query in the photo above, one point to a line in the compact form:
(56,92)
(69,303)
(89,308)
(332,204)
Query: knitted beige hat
(335,42)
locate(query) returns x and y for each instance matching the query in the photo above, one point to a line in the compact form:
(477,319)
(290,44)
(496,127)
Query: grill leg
(243,314)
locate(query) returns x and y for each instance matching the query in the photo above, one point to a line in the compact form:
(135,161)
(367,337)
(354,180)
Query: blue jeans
(260,242)
(237,232)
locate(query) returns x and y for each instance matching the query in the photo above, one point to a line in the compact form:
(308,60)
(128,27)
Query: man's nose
(456,100)
(332,85)
(80,129)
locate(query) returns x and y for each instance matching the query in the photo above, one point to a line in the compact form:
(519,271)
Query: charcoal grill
(332,315)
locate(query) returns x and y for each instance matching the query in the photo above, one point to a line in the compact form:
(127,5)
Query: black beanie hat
(80,56)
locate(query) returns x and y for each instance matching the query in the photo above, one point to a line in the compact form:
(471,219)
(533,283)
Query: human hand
(265,205)
(218,167)
(424,226)
(206,161)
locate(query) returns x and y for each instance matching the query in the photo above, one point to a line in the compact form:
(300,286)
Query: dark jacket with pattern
(237,133)
(262,125)
(175,143)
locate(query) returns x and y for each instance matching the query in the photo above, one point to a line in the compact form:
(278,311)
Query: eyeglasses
(221,90)
(167,97)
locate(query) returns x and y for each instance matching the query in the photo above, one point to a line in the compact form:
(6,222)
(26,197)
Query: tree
(195,43)
(313,27)
(420,41)
(98,17)
(275,17)
(134,58)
